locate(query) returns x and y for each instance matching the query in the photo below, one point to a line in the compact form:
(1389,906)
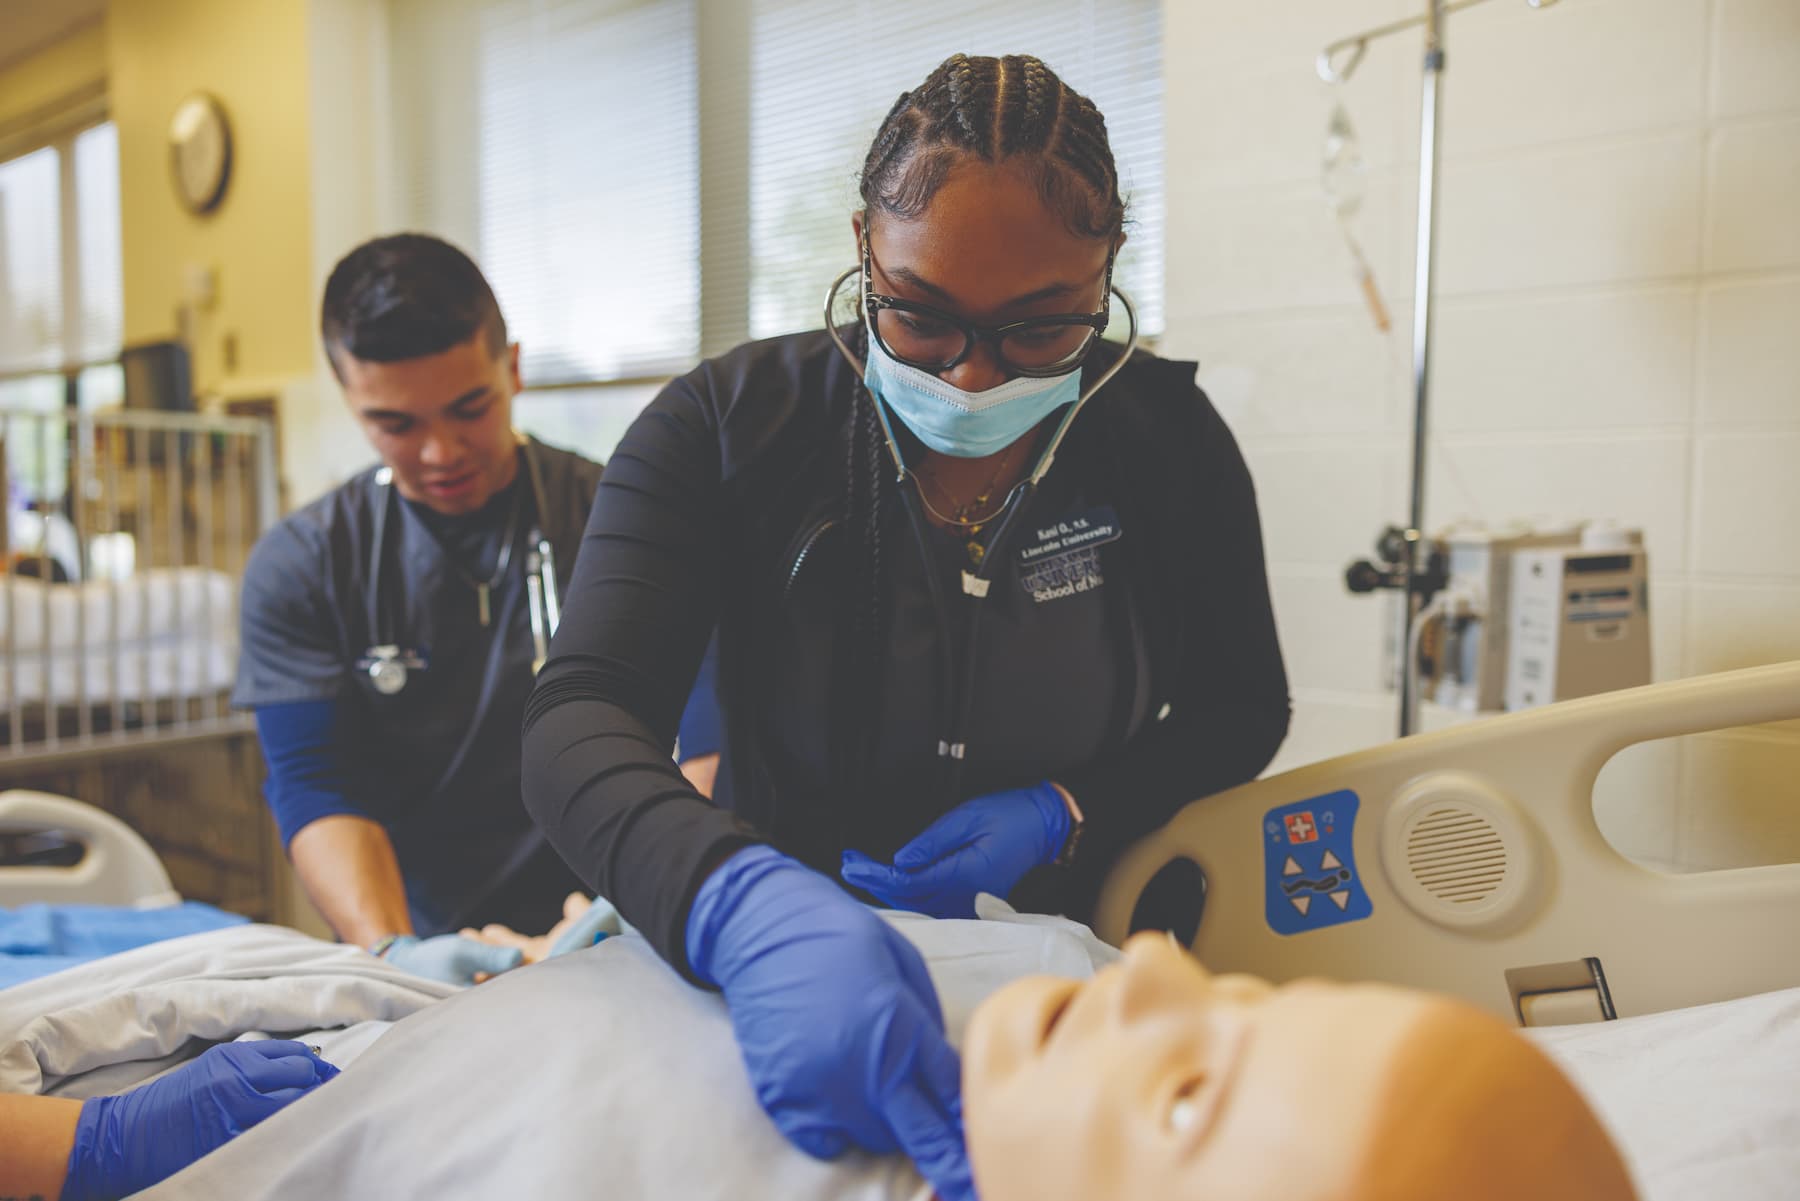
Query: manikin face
(1156,1079)
(988,250)
(441,422)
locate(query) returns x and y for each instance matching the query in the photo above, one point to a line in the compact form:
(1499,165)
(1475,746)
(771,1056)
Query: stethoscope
(388,664)
(957,699)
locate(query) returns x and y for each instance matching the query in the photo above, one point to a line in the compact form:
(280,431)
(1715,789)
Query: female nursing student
(950,660)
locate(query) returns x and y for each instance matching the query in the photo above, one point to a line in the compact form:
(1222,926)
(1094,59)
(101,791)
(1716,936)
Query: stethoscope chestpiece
(389,668)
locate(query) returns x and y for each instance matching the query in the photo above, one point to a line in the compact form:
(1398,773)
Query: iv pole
(1337,62)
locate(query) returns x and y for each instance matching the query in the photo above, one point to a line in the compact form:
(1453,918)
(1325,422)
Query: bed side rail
(116,866)
(1469,861)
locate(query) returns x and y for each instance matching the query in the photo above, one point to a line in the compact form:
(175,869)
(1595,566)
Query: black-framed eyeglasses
(936,341)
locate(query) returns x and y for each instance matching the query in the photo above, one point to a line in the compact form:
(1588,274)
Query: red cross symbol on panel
(1300,827)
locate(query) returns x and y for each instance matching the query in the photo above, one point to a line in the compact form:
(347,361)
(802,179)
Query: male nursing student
(391,627)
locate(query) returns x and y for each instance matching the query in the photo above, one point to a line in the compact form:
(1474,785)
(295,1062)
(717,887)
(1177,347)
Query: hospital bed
(126,536)
(1469,862)
(1700,1098)
(125,540)
(106,863)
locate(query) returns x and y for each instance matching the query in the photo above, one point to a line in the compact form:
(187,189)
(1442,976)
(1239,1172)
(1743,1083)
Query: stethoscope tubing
(956,701)
(540,579)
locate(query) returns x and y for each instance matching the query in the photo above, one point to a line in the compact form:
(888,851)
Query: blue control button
(1309,865)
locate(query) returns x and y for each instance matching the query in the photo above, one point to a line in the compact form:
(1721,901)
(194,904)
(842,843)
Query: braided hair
(1014,110)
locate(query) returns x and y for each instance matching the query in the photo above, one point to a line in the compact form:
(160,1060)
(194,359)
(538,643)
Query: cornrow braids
(862,614)
(1013,109)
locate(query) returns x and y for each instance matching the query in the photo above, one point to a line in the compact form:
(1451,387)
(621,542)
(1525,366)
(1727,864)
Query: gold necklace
(964,516)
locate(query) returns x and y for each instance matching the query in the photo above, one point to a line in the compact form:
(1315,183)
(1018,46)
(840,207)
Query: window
(61,289)
(645,181)
(555,140)
(31,308)
(824,73)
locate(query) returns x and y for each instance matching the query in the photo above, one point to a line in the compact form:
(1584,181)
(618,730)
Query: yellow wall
(252,56)
(70,64)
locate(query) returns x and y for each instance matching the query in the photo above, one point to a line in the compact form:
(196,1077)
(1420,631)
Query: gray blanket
(597,1075)
(106,1026)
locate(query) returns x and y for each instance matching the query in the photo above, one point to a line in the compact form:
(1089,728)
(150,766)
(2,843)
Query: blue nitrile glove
(983,845)
(449,958)
(835,1016)
(129,1142)
(600,922)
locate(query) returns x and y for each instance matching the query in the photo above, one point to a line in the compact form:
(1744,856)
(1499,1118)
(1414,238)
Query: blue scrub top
(438,763)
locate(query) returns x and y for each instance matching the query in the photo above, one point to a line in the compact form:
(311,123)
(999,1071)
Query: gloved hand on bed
(127,1143)
(983,845)
(835,1016)
(451,958)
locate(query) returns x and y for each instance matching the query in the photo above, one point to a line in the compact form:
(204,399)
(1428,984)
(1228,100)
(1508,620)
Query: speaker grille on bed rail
(1456,855)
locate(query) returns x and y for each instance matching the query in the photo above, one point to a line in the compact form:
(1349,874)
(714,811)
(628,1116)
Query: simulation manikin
(1157,1079)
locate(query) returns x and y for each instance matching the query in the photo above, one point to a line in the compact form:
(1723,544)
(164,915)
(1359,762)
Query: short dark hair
(406,296)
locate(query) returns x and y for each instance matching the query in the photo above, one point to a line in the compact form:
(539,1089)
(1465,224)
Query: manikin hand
(584,923)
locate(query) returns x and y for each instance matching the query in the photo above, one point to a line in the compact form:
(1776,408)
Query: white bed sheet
(1704,1102)
(176,636)
(155,604)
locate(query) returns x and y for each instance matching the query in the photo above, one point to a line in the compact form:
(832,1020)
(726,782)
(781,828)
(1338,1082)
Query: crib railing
(124,543)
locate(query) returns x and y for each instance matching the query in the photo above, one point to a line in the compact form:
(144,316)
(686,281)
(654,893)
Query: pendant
(481,605)
(977,552)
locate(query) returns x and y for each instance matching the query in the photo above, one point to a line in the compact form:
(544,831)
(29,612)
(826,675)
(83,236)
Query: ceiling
(27,26)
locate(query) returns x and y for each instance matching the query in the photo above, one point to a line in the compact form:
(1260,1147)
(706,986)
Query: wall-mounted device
(1579,621)
(1519,616)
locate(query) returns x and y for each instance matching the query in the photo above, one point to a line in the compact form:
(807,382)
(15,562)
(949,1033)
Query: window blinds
(555,140)
(825,72)
(559,141)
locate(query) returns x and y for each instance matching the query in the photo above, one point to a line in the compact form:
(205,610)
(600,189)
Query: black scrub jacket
(1140,673)
(438,763)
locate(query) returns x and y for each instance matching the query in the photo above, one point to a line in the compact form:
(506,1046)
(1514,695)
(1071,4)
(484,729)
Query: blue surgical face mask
(966,425)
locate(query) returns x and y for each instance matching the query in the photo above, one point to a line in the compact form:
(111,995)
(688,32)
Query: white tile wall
(1273,249)
(1331,639)
(1323,372)
(1636,809)
(1753,194)
(1739,793)
(1603,213)
(1747,519)
(1617,358)
(1750,349)
(1522,78)
(1741,625)
(1618,336)
(1211,36)
(1316,500)
(1636,479)
(1753,67)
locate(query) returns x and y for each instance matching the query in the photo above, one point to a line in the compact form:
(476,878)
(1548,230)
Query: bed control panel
(1309,865)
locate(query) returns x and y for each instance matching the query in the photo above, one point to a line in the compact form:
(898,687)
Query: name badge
(1063,559)
(1081,531)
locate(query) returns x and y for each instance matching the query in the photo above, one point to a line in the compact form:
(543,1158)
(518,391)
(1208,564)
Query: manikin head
(416,338)
(1157,1079)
